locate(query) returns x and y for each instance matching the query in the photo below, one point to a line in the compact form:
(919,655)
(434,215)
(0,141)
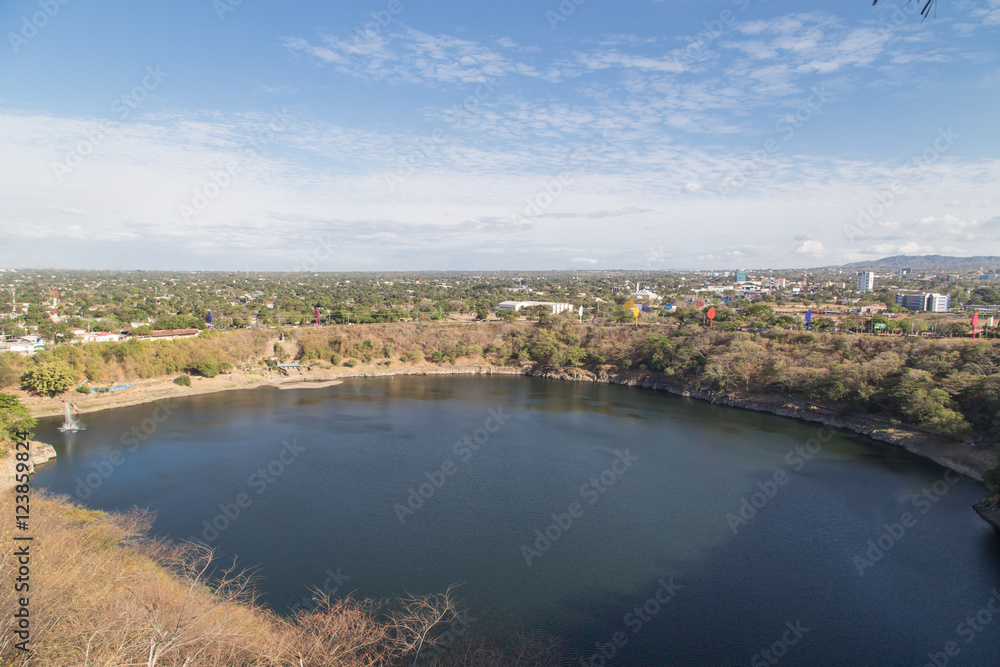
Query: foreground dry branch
(103,594)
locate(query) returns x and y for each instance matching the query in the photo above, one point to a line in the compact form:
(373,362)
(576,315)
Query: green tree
(51,377)
(991,478)
(15,420)
(208,368)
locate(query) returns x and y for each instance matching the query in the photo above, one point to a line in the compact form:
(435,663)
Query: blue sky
(418,134)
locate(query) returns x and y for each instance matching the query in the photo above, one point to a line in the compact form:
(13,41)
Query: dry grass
(103,594)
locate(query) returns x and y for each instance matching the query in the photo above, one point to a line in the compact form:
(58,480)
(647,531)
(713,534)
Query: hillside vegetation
(948,387)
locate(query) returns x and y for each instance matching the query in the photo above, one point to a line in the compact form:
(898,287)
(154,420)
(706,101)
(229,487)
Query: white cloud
(809,248)
(989,16)
(406,55)
(645,135)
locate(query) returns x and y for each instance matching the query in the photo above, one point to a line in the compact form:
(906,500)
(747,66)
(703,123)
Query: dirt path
(147,391)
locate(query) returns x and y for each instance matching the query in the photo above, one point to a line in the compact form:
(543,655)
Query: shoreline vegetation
(937,398)
(151,602)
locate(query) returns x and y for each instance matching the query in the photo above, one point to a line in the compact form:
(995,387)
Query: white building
(645,294)
(100,337)
(26,345)
(866,281)
(518,305)
(938,303)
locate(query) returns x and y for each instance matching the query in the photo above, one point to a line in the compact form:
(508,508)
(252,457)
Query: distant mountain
(987,263)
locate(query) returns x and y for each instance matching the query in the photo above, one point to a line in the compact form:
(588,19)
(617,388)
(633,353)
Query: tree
(15,420)
(51,377)
(991,478)
(986,295)
(208,368)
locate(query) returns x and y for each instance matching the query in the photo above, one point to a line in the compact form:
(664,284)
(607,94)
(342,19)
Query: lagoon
(651,528)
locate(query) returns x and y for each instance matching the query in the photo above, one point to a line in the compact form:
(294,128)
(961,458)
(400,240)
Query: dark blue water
(382,487)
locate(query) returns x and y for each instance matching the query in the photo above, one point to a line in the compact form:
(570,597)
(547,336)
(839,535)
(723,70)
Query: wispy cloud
(407,55)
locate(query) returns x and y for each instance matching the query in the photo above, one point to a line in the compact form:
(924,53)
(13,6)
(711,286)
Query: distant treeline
(949,387)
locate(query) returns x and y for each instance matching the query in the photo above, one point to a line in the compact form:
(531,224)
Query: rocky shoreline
(958,457)
(38,453)
(955,456)
(989,509)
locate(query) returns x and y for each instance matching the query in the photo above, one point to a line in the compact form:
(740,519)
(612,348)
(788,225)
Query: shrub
(184,380)
(52,377)
(15,420)
(437,356)
(351,363)
(83,389)
(991,478)
(208,368)
(335,359)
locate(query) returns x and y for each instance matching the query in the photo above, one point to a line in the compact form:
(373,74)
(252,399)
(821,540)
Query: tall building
(866,281)
(937,303)
(741,276)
